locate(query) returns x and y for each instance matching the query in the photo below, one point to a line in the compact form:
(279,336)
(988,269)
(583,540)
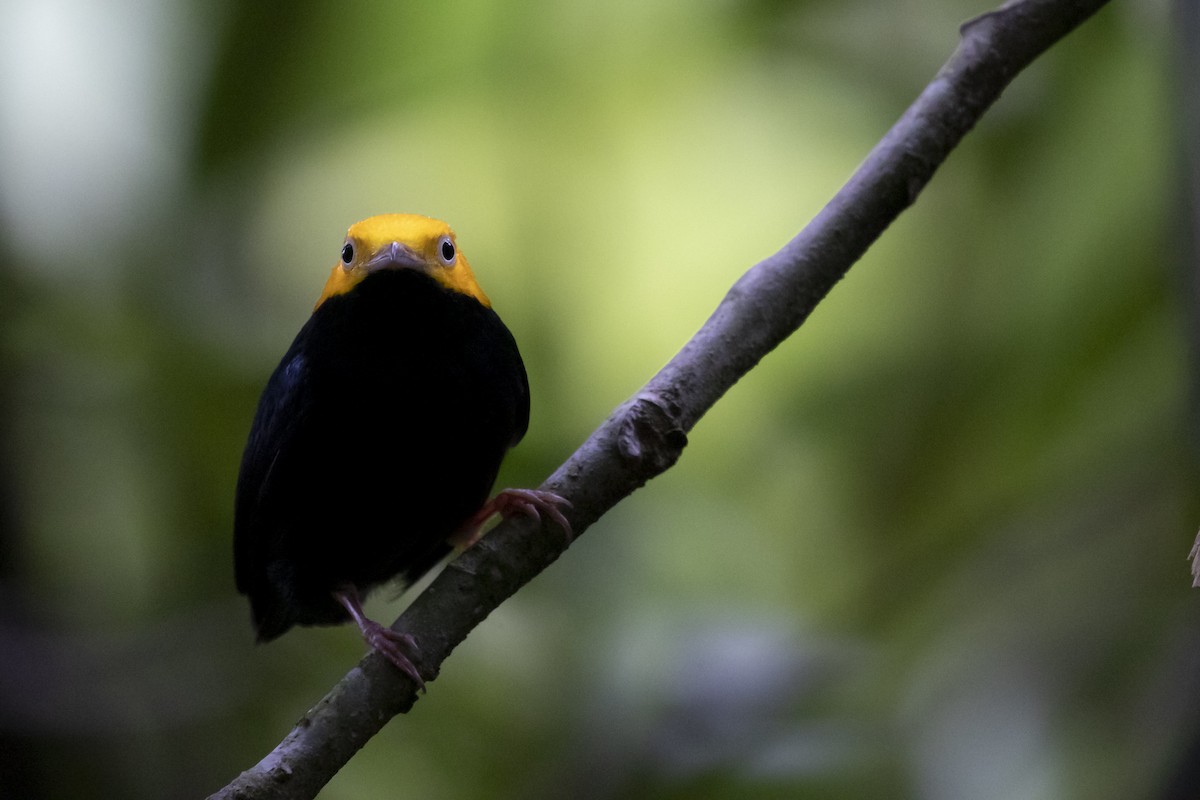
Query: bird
(378,437)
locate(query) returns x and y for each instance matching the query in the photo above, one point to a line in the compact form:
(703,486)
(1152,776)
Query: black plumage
(379,435)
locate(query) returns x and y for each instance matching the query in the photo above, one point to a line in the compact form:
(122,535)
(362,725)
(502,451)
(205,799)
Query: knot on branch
(650,436)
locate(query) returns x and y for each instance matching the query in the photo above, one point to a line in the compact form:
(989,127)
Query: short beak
(393,256)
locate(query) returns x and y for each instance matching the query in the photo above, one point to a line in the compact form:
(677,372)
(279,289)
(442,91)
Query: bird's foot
(510,502)
(398,648)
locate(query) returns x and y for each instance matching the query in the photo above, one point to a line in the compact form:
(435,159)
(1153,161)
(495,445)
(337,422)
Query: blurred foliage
(931,548)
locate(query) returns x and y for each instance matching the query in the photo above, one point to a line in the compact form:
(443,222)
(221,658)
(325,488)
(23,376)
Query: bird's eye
(347,253)
(446,250)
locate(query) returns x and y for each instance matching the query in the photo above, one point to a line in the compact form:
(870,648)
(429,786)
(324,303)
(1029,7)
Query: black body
(378,435)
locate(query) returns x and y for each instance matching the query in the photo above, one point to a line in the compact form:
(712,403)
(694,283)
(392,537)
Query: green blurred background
(933,547)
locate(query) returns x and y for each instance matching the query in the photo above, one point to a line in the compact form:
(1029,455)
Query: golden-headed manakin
(379,435)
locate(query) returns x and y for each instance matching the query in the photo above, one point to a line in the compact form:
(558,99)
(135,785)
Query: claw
(527,502)
(396,647)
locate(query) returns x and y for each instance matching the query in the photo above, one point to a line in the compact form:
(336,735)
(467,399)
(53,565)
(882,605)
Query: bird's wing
(522,407)
(281,410)
(521,422)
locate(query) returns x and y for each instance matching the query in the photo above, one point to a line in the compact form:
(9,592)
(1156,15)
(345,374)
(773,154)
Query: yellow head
(402,241)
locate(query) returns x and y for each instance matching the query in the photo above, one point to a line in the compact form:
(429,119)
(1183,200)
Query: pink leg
(390,644)
(529,502)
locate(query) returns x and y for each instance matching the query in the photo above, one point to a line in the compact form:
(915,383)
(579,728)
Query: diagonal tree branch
(644,436)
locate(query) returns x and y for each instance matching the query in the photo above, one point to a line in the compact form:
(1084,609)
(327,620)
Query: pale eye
(446,250)
(347,253)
